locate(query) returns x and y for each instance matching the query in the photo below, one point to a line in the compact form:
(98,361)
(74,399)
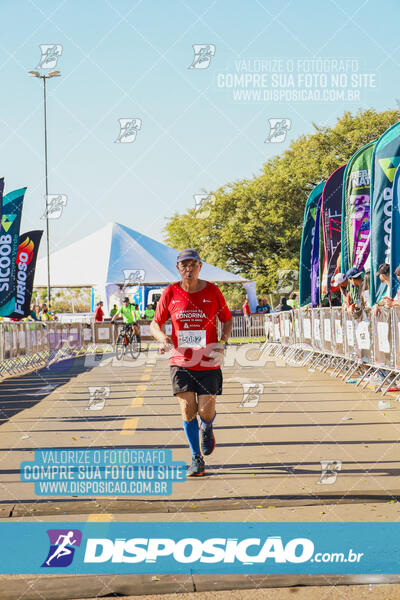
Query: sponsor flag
(385,160)
(332,223)
(307,243)
(28,249)
(395,245)
(316,267)
(9,239)
(356,209)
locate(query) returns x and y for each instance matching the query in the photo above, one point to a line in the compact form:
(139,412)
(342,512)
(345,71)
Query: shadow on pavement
(24,391)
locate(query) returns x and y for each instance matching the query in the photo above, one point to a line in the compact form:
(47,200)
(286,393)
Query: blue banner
(226,548)
(385,160)
(9,239)
(307,240)
(395,245)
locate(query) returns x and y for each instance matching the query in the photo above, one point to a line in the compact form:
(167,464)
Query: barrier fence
(367,344)
(26,345)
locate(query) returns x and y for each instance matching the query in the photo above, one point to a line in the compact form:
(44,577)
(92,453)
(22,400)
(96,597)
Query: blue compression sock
(207,424)
(192,433)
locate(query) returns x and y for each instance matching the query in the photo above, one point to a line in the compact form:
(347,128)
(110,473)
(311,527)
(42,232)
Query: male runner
(193,305)
(127,312)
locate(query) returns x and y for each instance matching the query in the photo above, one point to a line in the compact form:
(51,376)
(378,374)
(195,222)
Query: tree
(254,226)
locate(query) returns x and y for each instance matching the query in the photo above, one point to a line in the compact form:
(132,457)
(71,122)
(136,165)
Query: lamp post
(44,77)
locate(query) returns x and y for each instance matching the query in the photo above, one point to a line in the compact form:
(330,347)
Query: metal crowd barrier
(365,346)
(247,327)
(25,345)
(28,344)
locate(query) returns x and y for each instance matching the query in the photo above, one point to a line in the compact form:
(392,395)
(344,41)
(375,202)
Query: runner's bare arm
(164,340)
(226,330)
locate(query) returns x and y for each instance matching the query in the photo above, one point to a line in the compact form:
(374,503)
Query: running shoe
(196,469)
(207,441)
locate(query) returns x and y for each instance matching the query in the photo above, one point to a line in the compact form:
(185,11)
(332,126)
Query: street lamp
(44,77)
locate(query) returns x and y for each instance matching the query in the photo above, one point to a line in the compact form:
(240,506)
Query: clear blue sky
(124,59)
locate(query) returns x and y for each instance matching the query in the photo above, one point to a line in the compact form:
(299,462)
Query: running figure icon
(62,549)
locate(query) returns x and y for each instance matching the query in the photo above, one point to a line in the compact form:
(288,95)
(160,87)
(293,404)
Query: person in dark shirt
(283,305)
(260,306)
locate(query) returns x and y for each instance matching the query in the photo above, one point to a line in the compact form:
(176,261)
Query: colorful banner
(332,222)
(356,209)
(395,245)
(385,160)
(315,257)
(9,238)
(307,243)
(28,249)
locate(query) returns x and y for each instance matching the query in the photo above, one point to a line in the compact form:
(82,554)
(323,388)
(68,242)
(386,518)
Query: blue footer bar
(221,548)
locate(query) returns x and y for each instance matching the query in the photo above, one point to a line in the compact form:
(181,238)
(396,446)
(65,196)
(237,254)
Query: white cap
(338,279)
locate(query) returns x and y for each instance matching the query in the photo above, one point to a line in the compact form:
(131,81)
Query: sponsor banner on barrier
(195,548)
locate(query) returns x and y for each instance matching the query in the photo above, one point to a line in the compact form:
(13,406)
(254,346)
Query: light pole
(44,77)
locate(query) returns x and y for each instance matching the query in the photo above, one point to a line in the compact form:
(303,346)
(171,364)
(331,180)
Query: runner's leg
(188,404)
(206,409)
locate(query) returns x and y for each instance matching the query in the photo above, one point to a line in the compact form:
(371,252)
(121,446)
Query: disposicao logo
(190,550)
(62,547)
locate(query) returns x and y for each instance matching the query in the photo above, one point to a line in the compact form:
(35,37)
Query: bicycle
(126,340)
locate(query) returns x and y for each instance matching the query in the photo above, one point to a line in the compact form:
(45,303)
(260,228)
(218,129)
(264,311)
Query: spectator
(340,295)
(44,314)
(366,292)
(32,315)
(283,305)
(246,308)
(137,312)
(292,300)
(260,306)
(99,314)
(37,310)
(396,300)
(384,275)
(113,310)
(266,306)
(247,317)
(149,312)
(356,278)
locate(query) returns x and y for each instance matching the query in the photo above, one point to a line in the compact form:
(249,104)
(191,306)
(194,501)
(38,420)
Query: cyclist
(128,315)
(193,306)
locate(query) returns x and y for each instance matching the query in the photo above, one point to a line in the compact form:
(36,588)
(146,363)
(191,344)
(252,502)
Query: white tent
(102,257)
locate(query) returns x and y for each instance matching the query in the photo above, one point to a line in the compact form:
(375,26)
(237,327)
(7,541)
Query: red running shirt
(194,323)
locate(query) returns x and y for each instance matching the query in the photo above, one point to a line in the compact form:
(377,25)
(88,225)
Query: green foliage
(254,226)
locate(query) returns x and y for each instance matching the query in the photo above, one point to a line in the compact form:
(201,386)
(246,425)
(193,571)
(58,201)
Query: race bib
(192,338)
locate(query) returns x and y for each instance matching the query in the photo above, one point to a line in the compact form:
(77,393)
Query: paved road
(267,464)
(266,454)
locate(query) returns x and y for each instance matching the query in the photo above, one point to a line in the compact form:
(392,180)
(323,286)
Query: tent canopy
(103,256)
